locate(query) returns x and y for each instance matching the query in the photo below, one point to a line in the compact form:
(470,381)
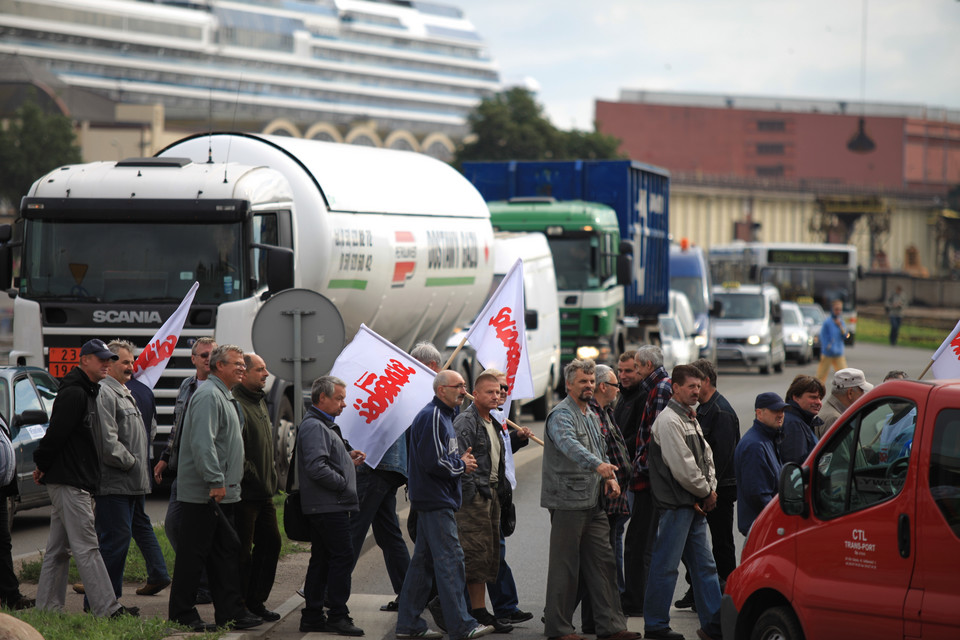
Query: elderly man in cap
(68,461)
(848,385)
(757,459)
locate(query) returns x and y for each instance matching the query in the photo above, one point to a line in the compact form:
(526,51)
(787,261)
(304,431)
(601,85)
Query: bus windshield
(821,285)
(576,262)
(117,262)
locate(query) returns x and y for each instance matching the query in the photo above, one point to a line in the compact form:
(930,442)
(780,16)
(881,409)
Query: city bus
(802,272)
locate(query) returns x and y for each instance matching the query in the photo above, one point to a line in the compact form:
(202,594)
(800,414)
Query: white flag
(155,356)
(386,388)
(946,360)
(499,334)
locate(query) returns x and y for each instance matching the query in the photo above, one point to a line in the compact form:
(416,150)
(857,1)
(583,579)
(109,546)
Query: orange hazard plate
(62,360)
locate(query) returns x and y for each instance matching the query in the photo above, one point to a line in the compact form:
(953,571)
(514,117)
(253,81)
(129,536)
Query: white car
(678,346)
(797,340)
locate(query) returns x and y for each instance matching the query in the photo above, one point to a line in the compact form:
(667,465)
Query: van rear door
(853,572)
(933,601)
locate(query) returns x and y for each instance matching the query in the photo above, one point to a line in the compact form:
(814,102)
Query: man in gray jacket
(575,469)
(209,471)
(124,474)
(683,482)
(328,495)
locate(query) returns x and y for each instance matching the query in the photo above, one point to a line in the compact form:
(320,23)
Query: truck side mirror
(531,320)
(6,256)
(625,264)
(716,311)
(791,490)
(279,269)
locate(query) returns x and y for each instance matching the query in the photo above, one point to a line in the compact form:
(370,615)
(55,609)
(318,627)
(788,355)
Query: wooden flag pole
(455,352)
(514,426)
(925,369)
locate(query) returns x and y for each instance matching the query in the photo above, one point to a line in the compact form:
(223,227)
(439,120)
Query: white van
(678,331)
(750,327)
(542,316)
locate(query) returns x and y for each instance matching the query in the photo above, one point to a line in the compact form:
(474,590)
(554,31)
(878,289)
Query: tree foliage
(512,126)
(31,144)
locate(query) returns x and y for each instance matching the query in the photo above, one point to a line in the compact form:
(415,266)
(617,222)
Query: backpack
(8,457)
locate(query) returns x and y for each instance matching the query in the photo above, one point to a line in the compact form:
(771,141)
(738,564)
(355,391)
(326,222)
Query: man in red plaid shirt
(656,390)
(617,509)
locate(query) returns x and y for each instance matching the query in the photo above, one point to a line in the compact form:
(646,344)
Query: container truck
(396,240)
(607,222)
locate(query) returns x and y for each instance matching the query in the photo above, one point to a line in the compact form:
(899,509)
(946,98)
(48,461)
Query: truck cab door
(933,601)
(854,568)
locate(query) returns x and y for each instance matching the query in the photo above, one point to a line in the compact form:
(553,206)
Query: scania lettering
(396,240)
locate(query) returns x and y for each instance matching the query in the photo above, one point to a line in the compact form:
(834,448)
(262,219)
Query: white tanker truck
(397,240)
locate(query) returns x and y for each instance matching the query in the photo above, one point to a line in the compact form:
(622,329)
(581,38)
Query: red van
(864,539)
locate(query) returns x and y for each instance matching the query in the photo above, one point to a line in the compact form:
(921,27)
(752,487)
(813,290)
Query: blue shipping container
(639,193)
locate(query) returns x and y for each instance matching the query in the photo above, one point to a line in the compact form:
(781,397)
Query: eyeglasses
(613,384)
(462,385)
(504,387)
(238,365)
(203,355)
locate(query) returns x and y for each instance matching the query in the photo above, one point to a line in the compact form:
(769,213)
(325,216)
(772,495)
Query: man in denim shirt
(575,470)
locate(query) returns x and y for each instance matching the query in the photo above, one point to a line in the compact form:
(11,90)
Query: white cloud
(579,52)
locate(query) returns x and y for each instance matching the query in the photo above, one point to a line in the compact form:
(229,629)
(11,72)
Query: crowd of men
(641,472)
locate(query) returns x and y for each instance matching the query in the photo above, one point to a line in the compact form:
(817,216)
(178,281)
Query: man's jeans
(437,552)
(114,522)
(682,533)
(378,507)
(146,539)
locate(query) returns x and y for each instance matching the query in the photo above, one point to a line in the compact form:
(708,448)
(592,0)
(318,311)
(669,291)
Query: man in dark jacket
(68,462)
(435,466)
(256,516)
(757,460)
(478,520)
(721,430)
(326,472)
(800,420)
(629,405)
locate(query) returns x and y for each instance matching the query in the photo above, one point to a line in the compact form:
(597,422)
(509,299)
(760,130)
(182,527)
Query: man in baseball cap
(848,385)
(756,460)
(97,348)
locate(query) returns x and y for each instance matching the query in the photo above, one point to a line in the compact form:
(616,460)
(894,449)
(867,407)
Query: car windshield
(791,316)
(814,313)
(742,306)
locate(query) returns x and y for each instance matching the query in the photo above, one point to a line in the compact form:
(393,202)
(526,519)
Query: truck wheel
(286,434)
(777,623)
(542,406)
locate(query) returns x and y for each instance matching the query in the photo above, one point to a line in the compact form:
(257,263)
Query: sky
(578,51)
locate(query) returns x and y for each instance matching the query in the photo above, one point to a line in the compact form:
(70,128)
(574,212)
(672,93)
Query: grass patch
(69,626)
(136,568)
(878,332)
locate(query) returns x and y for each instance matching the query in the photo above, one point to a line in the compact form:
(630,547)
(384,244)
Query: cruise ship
(319,66)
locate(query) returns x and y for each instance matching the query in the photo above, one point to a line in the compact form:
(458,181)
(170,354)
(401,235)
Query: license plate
(62,360)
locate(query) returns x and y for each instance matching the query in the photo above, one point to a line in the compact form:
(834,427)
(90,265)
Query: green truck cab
(591,268)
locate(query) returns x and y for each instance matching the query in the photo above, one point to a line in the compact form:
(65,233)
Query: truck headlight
(588,353)
(754,339)
(700,341)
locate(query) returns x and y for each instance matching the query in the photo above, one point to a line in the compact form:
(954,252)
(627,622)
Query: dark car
(26,399)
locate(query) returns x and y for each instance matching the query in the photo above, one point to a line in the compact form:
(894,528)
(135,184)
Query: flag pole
(925,369)
(514,426)
(454,354)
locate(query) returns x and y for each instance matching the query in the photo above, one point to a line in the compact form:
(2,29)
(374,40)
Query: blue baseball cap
(770,400)
(97,348)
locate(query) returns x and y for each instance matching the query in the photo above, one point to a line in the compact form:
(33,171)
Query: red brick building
(917,149)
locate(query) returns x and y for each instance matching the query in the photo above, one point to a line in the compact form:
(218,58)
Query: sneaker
(437,612)
(344,627)
(665,633)
(427,634)
(391,606)
(199,626)
(153,588)
(126,611)
(485,617)
(686,602)
(516,617)
(478,631)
